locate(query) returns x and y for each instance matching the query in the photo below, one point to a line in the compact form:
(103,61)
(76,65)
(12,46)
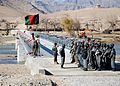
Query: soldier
(107,58)
(38,41)
(103,50)
(90,63)
(79,54)
(98,55)
(112,56)
(75,52)
(84,56)
(35,48)
(93,57)
(55,53)
(72,53)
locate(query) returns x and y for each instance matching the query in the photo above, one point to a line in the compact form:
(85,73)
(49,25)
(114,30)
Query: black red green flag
(32,19)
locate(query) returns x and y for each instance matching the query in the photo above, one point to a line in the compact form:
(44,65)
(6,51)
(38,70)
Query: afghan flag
(32,19)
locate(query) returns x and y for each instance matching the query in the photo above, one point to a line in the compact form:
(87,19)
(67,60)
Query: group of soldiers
(93,55)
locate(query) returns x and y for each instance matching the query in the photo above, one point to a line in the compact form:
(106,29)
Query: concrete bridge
(43,63)
(24,48)
(25,41)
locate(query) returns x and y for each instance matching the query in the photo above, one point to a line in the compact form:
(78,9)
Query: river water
(117,48)
(10,49)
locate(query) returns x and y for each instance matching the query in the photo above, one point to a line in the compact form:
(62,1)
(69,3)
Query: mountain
(20,6)
(50,6)
(59,5)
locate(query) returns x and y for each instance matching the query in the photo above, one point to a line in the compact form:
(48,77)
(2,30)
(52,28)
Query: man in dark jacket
(62,54)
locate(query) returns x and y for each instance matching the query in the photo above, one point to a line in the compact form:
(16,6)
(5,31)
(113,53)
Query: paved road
(74,76)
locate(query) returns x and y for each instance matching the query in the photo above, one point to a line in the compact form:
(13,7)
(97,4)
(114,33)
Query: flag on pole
(32,19)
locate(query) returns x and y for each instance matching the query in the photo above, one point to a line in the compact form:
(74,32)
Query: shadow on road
(117,66)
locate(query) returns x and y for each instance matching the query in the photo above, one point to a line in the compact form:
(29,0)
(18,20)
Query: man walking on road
(62,54)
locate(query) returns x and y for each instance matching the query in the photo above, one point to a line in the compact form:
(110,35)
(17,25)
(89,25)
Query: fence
(58,39)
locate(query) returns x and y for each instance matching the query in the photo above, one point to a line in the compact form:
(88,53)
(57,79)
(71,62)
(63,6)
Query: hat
(111,45)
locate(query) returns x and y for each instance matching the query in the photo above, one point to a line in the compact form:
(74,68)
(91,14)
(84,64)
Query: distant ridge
(60,5)
(21,6)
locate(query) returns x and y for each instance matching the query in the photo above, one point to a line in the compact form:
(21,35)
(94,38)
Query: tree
(45,21)
(67,24)
(7,28)
(112,22)
(53,24)
(76,26)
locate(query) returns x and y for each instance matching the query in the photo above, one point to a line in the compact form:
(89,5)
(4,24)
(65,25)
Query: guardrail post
(21,55)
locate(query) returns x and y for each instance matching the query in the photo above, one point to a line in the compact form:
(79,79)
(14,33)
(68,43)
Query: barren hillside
(9,12)
(97,18)
(19,7)
(60,5)
(16,10)
(88,13)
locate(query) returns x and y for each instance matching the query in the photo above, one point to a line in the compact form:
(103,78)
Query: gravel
(27,80)
(92,81)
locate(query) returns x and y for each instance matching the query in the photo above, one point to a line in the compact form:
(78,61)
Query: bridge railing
(27,38)
(58,39)
(26,42)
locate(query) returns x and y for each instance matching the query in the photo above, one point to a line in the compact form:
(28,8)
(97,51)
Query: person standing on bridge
(55,53)
(35,48)
(38,41)
(62,54)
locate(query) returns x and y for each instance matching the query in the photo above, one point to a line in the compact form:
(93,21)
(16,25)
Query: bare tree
(7,28)
(45,21)
(77,26)
(112,23)
(67,24)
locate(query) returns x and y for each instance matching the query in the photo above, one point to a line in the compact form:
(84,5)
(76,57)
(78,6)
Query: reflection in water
(8,61)
(8,49)
(117,47)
